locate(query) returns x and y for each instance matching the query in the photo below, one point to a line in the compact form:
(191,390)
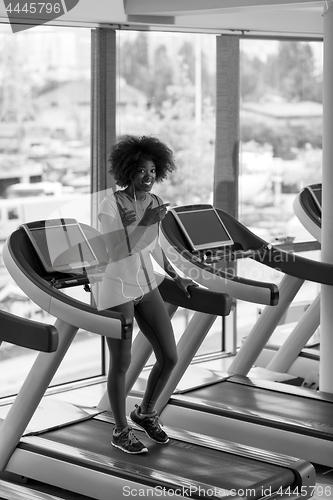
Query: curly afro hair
(126,155)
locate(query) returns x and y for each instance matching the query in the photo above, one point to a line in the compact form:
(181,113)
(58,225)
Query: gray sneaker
(127,441)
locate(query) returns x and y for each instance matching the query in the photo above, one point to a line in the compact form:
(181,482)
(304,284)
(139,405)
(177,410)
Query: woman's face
(145,176)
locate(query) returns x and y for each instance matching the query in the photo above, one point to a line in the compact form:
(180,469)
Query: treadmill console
(206,235)
(316,192)
(63,251)
(203,228)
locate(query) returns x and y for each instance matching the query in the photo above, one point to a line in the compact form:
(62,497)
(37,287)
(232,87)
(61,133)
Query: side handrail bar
(28,333)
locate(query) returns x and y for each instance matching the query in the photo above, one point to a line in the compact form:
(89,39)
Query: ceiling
(303,18)
(277,18)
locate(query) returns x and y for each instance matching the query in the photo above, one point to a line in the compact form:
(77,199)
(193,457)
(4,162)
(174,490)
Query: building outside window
(280,152)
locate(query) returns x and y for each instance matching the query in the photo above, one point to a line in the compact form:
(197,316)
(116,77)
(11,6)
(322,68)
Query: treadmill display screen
(316,196)
(62,247)
(203,228)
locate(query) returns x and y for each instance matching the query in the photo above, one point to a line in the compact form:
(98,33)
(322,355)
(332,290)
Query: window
(281,148)
(43,144)
(166,87)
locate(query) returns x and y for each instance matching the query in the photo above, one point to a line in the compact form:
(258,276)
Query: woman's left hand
(128,217)
(184,283)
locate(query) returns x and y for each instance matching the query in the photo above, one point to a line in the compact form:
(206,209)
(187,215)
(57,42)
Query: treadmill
(307,208)
(276,416)
(44,338)
(69,446)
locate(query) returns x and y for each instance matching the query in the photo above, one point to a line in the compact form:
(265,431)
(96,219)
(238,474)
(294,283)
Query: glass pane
(281,149)
(44,163)
(166,87)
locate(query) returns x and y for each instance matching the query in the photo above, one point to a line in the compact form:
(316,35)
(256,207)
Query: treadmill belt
(200,464)
(305,415)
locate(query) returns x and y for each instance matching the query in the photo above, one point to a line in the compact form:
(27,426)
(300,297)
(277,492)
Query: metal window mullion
(103,124)
(103,112)
(226,168)
(227,137)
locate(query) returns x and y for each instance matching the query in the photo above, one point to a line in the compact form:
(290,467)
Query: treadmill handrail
(172,234)
(15,254)
(201,300)
(269,255)
(297,266)
(28,333)
(289,263)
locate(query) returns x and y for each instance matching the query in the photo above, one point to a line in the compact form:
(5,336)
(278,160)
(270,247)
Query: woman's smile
(148,183)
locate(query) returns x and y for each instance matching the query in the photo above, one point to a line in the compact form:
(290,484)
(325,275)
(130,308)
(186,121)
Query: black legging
(154,322)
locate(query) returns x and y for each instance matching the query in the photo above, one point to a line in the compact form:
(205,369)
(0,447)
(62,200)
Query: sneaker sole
(158,442)
(144,450)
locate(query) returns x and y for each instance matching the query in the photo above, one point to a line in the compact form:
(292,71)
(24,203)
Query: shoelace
(153,418)
(155,421)
(132,437)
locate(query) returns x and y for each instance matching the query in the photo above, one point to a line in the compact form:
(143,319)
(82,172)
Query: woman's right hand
(154,215)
